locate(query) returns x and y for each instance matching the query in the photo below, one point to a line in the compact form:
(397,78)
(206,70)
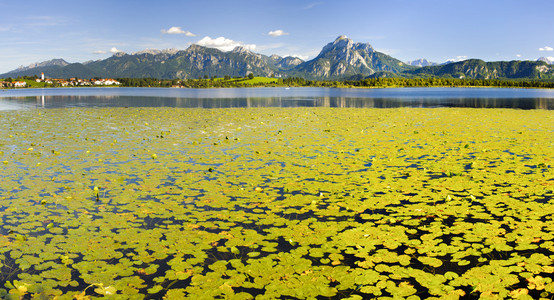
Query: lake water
(145,194)
(277,97)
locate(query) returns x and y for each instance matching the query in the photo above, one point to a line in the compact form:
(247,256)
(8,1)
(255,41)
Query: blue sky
(439,30)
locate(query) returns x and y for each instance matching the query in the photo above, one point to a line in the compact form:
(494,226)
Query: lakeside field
(276,202)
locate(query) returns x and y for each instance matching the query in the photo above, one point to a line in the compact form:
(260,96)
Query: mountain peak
(343,41)
(345,46)
(240,49)
(147,51)
(422,62)
(195,47)
(343,57)
(341,44)
(170,51)
(547,60)
(53,62)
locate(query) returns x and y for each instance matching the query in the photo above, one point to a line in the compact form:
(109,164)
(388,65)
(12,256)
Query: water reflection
(301,97)
(129,101)
(4,105)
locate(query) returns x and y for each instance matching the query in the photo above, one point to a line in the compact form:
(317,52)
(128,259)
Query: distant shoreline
(286,87)
(250,82)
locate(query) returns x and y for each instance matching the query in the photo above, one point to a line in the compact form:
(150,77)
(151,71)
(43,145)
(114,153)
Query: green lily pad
(341,202)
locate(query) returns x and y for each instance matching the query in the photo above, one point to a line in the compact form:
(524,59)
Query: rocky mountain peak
(241,50)
(147,51)
(170,51)
(49,63)
(344,48)
(343,57)
(547,60)
(342,43)
(341,38)
(287,63)
(293,60)
(422,62)
(195,47)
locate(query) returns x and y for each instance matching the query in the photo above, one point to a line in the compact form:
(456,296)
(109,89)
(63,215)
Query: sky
(438,30)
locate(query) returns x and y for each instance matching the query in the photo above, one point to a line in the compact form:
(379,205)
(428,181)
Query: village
(51,82)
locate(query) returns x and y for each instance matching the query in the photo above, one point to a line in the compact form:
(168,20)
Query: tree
(251,76)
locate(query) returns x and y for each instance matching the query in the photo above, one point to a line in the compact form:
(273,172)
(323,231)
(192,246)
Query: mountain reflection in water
(278,97)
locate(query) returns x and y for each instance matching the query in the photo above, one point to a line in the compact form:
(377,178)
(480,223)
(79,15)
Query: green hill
(478,69)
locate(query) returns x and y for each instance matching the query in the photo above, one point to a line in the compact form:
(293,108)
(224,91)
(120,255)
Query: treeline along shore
(360,83)
(251,81)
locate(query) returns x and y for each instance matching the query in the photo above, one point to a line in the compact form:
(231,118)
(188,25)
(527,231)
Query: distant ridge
(479,69)
(422,62)
(338,60)
(49,63)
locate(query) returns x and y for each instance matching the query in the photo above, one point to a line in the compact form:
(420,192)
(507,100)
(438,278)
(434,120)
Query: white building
(106,82)
(111,82)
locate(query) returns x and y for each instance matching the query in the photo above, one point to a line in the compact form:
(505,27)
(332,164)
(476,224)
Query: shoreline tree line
(251,81)
(227,82)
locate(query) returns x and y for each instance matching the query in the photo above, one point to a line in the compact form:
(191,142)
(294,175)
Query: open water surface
(278,97)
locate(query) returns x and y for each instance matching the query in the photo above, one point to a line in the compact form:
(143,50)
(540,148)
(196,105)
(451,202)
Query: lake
(146,194)
(278,97)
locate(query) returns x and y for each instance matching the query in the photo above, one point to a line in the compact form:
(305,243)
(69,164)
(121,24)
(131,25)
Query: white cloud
(277,32)
(177,30)
(99,52)
(518,55)
(223,44)
(547,48)
(302,57)
(457,59)
(115,50)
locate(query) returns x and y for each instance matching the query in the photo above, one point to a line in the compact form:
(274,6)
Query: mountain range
(338,60)
(422,62)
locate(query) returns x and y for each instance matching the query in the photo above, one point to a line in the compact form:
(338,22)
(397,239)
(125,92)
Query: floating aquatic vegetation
(276,203)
